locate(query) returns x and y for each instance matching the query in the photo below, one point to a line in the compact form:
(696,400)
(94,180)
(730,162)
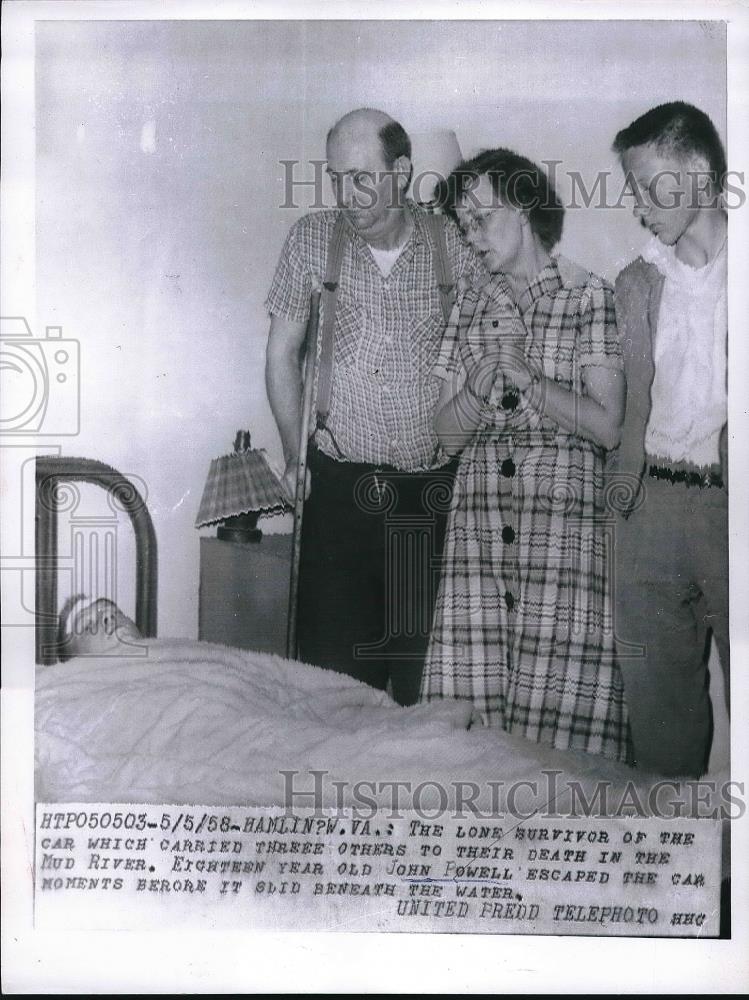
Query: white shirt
(689,397)
(386,258)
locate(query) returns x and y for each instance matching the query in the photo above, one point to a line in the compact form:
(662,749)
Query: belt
(378,489)
(320,461)
(689,478)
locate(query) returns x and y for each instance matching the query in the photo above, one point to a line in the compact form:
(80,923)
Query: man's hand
(289,480)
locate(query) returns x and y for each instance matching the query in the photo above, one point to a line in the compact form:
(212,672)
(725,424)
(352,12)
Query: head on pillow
(95,628)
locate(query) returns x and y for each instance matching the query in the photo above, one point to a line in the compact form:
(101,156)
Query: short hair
(679,128)
(517,182)
(445,196)
(395,142)
(65,624)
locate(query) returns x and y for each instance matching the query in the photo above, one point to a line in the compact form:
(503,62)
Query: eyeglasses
(475,223)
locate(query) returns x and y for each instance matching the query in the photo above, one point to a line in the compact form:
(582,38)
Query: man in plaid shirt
(380,486)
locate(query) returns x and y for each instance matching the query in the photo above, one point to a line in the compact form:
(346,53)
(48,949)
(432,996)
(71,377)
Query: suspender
(338,242)
(435,227)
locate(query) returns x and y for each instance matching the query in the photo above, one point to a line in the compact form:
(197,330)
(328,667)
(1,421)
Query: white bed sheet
(197,723)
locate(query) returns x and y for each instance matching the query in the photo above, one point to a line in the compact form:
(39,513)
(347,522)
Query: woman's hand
(512,362)
(504,354)
(481,377)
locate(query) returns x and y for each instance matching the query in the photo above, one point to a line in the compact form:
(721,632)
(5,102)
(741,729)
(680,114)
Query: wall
(158,189)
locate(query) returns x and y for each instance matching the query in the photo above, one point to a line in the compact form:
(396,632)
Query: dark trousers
(370,563)
(671,593)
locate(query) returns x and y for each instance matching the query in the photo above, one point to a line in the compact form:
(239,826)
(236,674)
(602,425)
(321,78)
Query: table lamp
(434,155)
(240,486)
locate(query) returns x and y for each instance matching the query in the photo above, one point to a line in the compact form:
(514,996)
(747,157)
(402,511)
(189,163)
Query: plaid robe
(522,624)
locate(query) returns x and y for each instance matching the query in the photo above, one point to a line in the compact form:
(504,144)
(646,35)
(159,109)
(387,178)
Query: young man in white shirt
(672,542)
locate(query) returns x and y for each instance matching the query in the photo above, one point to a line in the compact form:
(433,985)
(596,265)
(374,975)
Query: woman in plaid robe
(533,395)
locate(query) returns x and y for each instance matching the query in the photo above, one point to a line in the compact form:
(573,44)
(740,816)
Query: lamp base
(240,528)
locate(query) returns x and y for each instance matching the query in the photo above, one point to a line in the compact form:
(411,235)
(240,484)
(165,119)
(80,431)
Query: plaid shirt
(567,319)
(388,332)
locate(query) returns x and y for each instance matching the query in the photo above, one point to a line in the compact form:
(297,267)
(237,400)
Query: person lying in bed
(96,628)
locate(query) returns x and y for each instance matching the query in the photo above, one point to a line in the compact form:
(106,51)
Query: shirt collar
(691,278)
(547,282)
(492,286)
(417,235)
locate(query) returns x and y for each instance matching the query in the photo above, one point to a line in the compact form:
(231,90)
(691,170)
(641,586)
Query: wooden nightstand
(244,592)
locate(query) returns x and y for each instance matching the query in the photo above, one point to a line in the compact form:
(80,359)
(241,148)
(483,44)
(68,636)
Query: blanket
(191,723)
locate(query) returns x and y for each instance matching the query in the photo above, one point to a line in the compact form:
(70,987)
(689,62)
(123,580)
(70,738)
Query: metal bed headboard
(51,472)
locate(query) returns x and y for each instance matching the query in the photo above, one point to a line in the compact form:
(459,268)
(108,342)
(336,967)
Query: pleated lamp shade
(240,483)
